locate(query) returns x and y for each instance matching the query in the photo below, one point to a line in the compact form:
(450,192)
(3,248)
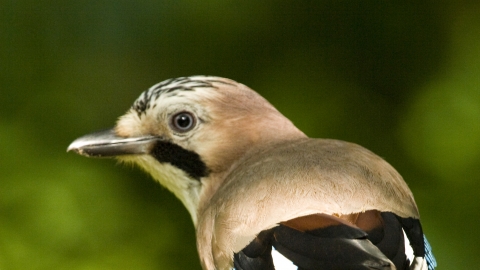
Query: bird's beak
(107,144)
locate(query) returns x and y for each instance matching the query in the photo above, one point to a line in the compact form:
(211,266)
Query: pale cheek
(127,126)
(130,125)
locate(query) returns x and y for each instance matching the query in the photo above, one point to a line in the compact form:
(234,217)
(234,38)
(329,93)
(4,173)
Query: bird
(261,194)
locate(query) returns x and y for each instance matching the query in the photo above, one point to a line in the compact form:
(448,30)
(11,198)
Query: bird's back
(297,178)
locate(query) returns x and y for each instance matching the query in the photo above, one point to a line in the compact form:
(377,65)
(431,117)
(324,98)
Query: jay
(261,194)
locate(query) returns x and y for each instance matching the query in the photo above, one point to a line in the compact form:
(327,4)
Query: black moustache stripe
(186,160)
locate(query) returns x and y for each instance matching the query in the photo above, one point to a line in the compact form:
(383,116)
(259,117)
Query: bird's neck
(217,179)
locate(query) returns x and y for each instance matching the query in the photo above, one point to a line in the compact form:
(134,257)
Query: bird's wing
(321,241)
(369,240)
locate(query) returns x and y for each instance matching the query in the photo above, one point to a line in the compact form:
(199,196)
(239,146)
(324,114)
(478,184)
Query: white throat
(186,189)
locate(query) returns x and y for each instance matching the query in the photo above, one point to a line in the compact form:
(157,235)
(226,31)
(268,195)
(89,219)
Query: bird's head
(189,132)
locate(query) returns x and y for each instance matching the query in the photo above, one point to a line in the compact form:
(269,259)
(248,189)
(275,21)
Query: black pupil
(184,121)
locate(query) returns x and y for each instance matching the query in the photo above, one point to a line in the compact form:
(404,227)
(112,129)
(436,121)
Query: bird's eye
(183,122)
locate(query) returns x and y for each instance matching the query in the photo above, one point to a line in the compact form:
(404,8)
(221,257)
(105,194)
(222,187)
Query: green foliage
(399,78)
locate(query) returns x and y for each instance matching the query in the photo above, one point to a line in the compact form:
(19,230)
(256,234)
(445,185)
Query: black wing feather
(337,245)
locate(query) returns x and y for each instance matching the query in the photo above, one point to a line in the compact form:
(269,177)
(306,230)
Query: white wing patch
(408,248)
(281,262)
(416,263)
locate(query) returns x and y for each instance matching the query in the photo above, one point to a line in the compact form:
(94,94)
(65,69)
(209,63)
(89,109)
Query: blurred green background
(401,78)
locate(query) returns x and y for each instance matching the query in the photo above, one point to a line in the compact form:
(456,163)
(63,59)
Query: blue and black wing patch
(431,262)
